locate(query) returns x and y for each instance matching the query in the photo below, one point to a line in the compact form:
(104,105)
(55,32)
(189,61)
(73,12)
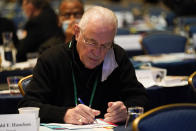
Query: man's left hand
(116,112)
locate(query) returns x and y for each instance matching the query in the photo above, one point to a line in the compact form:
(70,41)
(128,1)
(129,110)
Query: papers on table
(145,77)
(100,124)
(5,92)
(172,81)
(30,63)
(164,58)
(129,42)
(148,79)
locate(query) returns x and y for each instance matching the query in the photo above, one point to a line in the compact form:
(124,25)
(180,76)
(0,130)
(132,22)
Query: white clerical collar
(109,64)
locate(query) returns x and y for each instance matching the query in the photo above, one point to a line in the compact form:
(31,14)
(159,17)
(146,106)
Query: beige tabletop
(3,86)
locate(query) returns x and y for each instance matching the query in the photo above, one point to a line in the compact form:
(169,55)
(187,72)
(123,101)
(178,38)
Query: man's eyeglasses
(77,15)
(94,45)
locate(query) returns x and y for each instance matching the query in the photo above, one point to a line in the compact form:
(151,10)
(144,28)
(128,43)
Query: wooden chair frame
(20,84)
(190,80)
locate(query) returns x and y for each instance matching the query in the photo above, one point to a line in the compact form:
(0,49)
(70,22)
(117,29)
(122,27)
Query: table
(180,64)
(157,95)
(119,128)
(181,68)
(8,103)
(4,74)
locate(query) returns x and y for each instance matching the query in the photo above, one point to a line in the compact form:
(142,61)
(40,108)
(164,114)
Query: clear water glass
(133,112)
(12,82)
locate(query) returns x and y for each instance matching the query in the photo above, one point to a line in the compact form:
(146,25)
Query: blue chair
(163,43)
(192,80)
(155,11)
(172,117)
(22,84)
(186,20)
(192,30)
(122,31)
(170,18)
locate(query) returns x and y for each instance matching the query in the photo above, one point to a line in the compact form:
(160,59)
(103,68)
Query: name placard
(18,122)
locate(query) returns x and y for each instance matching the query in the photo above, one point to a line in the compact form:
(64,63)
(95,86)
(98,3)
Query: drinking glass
(31,110)
(133,112)
(13,84)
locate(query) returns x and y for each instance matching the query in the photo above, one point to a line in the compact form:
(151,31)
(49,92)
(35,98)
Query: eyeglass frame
(76,15)
(94,45)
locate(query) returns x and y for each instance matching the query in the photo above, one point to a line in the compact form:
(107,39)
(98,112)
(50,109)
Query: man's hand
(116,112)
(81,114)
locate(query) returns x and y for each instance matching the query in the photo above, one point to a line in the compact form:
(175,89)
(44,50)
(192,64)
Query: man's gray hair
(99,14)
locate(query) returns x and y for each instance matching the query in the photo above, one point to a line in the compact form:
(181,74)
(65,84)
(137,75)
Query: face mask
(66,23)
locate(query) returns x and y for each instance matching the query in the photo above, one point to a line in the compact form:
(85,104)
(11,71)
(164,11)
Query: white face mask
(66,23)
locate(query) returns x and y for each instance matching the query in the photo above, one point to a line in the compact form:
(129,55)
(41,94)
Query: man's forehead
(71,6)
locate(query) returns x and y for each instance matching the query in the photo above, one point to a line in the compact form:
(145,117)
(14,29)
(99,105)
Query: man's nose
(72,17)
(97,51)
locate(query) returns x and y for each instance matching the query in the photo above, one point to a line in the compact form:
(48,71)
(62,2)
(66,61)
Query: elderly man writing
(91,67)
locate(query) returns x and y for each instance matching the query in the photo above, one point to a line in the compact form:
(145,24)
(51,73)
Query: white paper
(99,124)
(5,92)
(174,81)
(145,77)
(129,42)
(18,122)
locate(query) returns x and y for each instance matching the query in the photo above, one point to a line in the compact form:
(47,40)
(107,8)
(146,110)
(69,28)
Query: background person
(42,24)
(90,67)
(70,13)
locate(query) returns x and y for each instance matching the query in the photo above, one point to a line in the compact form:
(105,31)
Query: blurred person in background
(70,13)
(42,25)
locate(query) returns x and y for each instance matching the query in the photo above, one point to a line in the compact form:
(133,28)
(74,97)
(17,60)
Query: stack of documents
(100,124)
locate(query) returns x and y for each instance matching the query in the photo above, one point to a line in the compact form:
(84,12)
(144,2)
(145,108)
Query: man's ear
(76,31)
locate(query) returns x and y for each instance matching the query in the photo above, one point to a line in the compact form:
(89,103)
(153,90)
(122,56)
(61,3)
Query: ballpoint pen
(80,100)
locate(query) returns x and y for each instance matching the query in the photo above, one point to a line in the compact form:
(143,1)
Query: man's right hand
(80,115)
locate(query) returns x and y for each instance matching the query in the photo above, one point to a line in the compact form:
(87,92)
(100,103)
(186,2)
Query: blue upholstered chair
(192,80)
(192,30)
(22,84)
(122,31)
(186,20)
(163,43)
(173,117)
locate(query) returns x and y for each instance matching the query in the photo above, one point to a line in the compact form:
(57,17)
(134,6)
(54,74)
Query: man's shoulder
(56,52)
(119,52)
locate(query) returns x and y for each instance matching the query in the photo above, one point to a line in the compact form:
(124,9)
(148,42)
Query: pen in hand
(80,100)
